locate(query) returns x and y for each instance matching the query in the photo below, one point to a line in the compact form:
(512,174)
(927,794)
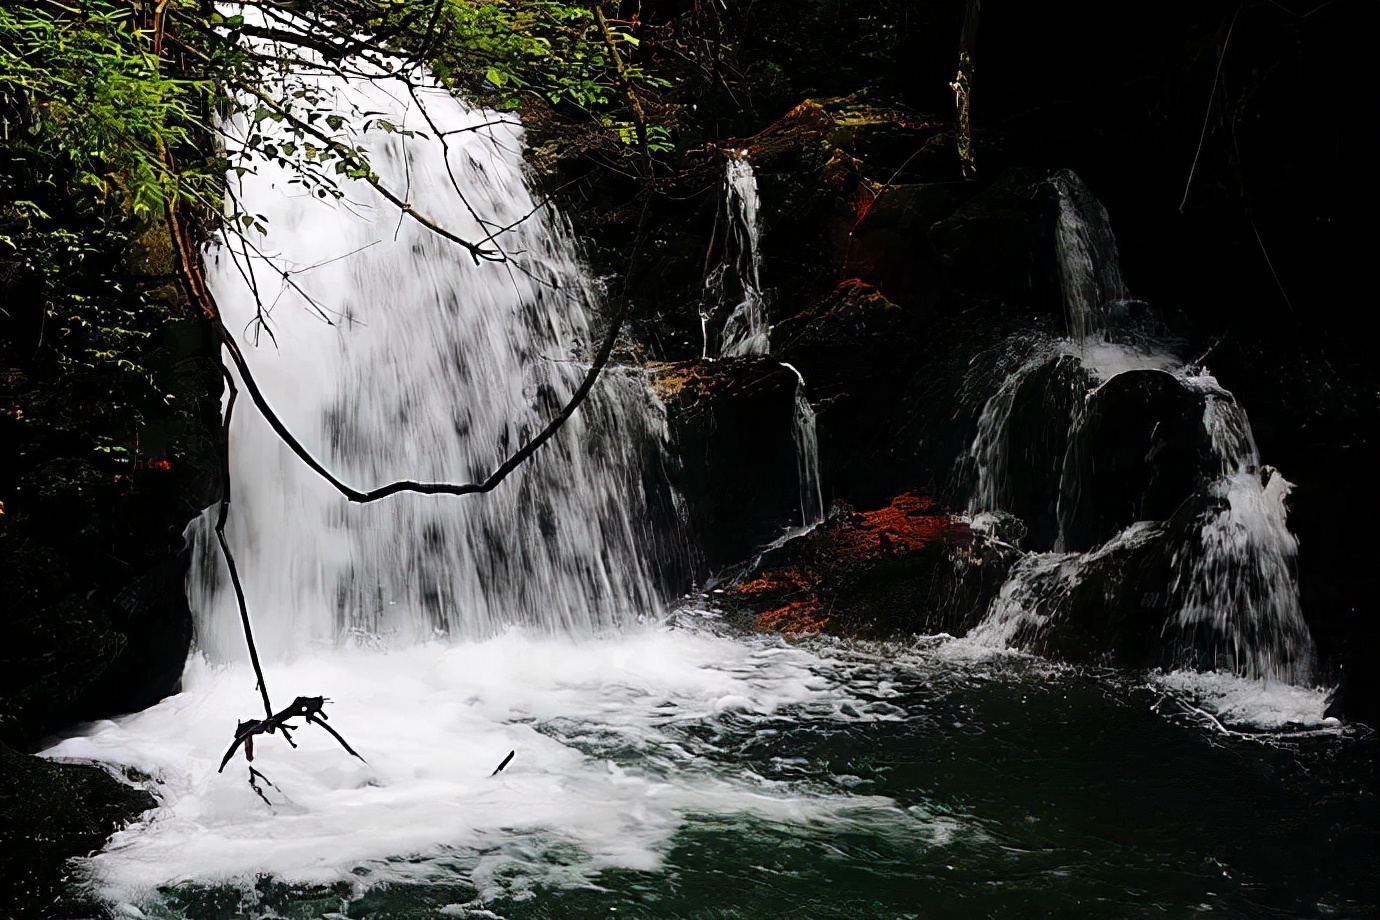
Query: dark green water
(1020,790)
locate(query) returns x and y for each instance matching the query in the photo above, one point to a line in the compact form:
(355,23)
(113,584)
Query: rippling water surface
(692,771)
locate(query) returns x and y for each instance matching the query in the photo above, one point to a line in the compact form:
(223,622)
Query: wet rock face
(50,812)
(858,352)
(1042,415)
(101,469)
(1106,607)
(1138,452)
(730,420)
(999,245)
(890,245)
(907,568)
(991,243)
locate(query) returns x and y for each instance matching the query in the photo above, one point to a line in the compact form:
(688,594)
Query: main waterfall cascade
(745,331)
(434,366)
(1232,590)
(446,630)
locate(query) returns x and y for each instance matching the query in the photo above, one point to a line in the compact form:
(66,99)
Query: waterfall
(988,454)
(806,439)
(394,354)
(1239,597)
(1089,269)
(745,331)
(1233,591)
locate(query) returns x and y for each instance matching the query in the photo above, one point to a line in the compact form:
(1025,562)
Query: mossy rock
(49,813)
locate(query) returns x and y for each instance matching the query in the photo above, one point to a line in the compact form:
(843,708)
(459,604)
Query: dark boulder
(890,246)
(731,421)
(101,469)
(859,354)
(1104,607)
(1043,410)
(1137,453)
(891,388)
(907,568)
(999,245)
(49,813)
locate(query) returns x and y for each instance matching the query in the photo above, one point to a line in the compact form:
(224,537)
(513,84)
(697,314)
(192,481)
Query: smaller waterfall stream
(1232,589)
(806,438)
(1089,268)
(746,332)
(1237,582)
(989,454)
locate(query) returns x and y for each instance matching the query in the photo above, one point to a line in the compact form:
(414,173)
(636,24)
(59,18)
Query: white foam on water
(1250,703)
(599,764)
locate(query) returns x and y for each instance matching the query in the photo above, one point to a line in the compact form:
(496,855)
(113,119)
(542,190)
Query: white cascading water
(1234,585)
(1089,268)
(988,455)
(436,369)
(444,630)
(1237,584)
(746,332)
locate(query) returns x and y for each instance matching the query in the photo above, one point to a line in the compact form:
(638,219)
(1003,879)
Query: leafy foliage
(114,87)
(549,49)
(110,110)
(88,85)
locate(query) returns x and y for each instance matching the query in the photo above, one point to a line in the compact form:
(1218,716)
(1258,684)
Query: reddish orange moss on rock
(908,566)
(798,618)
(682,382)
(909,524)
(791,578)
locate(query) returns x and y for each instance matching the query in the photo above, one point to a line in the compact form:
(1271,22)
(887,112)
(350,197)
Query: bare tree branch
(221,516)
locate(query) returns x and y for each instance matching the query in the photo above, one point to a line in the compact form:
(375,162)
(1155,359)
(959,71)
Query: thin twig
(221,516)
(1207,115)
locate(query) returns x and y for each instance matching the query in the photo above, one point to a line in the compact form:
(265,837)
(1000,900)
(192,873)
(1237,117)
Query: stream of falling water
(1234,582)
(435,367)
(806,439)
(746,331)
(1089,267)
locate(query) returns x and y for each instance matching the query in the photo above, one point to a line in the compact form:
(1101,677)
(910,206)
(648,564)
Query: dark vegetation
(1233,144)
